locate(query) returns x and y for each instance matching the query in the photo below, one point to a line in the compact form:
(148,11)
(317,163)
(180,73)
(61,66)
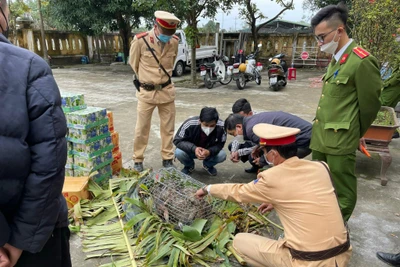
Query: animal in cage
(173,194)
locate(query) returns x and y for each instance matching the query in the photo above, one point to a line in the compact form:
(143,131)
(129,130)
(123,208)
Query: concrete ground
(375,224)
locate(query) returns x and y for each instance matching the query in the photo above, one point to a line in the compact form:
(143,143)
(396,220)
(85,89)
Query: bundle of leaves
(147,239)
(384,118)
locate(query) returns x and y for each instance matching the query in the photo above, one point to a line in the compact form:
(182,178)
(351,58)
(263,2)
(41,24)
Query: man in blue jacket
(33,212)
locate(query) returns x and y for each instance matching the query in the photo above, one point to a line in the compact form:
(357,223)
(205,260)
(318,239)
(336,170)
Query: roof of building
(283,26)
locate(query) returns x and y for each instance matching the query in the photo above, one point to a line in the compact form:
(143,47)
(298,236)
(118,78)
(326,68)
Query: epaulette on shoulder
(175,37)
(360,52)
(141,35)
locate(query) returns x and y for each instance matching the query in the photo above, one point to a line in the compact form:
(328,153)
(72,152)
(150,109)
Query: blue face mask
(164,38)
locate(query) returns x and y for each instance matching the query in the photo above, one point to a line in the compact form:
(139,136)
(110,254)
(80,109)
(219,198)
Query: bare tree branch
(286,7)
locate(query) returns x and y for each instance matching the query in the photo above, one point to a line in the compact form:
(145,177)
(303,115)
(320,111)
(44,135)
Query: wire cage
(173,194)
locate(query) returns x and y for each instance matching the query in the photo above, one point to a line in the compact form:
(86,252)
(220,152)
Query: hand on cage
(265,207)
(202,192)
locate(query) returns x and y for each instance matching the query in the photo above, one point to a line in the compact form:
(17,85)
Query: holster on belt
(320,255)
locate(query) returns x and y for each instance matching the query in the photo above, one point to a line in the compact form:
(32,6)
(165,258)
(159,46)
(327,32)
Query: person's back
(33,153)
(279,118)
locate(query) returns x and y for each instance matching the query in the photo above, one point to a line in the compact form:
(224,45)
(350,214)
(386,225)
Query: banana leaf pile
(147,239)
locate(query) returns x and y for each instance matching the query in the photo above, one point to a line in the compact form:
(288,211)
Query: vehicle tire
(207,81)
(179,69)
(258,79)
(226,81)
(275,87)
(241,82)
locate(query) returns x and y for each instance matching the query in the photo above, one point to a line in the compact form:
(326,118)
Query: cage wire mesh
(173,194)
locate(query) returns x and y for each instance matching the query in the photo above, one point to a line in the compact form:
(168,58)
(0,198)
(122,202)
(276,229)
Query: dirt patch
(187,83)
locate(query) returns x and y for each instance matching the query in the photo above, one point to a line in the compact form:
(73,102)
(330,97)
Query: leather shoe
(253,169)
(391,259)
(138,166)
(167,163)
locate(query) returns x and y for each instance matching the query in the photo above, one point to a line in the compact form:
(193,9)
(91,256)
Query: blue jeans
(187,159)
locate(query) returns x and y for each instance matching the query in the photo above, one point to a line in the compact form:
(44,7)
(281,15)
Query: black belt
(320,255)
(152,87)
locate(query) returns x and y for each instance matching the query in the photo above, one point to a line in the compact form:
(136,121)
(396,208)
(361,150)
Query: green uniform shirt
(348,105)
(390,95)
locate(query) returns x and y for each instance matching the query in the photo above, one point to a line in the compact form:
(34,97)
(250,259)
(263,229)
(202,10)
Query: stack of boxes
(116,165)
(89,140)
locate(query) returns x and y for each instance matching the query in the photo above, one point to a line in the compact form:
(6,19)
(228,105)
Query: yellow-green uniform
(348,105)
(148,71)
(390,95)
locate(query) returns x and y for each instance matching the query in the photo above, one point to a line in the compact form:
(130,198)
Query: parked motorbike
(281,57)
(216,71)
(249,70)
(276,75)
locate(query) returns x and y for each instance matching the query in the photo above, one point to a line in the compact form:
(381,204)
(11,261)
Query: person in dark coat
(33,150)
(202,137)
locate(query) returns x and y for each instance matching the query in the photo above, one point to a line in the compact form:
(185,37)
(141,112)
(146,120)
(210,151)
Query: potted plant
(383,127)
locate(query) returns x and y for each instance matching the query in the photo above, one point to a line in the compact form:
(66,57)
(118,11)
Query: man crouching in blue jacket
(33,212)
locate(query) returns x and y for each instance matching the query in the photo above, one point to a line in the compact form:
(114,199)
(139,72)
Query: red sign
(304,55)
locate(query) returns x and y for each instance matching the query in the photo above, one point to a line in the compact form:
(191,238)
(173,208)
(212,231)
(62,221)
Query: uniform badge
(152,39)
(344,58)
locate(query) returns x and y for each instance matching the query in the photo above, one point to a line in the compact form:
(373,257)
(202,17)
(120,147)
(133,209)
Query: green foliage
(191,35)
(210,26)
(315,5)
(375,27)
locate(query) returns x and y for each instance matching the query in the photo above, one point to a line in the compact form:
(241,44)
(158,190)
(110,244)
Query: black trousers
(55,252)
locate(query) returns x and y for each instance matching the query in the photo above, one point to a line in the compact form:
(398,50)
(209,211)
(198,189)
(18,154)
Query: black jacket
(189,134)
(33,148)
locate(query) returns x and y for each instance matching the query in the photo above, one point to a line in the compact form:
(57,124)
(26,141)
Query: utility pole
(45,54)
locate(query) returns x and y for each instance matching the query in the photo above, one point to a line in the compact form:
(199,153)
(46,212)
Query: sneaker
(138,166)
(168,163)
(211,170)
(188,170)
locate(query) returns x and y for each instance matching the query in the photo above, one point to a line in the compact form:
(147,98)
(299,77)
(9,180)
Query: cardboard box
(115,150)
(110,121)
(75,189)
(116,165)
(115,138)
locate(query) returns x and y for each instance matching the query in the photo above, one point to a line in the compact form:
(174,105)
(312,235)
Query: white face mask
(207,130)
(330,47)
(266,160)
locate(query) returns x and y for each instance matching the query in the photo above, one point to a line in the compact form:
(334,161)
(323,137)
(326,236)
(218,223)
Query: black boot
(253,169)
(391,259)
(167,163)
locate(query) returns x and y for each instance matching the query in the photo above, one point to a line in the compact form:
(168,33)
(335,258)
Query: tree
(17,9)
(376,24)
(94,16)
(251,14)
(210,26)
(189,11)
(315,5)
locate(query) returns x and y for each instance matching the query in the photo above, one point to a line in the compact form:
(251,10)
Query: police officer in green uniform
(390,95)
(348,105)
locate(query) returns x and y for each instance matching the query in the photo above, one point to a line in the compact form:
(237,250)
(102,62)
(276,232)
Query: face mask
(330,47)
(266,160)
(164,38)
(4,32)
(207,130)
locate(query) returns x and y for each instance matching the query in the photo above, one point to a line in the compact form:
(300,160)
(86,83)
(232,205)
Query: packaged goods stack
(116,165)
(89,140)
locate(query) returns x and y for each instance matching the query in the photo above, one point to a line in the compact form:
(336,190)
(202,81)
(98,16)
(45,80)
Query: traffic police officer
(155,88)
(315,233)
(348,105)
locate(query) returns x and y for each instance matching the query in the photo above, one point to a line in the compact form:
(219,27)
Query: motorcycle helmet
(242,67)
(276,61)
